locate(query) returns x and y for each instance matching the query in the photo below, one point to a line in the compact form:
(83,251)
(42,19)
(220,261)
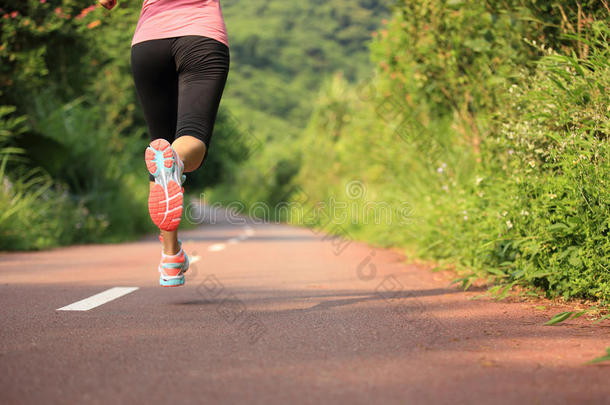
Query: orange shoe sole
(165,199)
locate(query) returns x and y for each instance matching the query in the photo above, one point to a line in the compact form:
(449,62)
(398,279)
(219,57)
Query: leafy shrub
(490,121)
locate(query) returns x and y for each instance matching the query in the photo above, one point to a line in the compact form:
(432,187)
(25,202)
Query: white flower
(509,224)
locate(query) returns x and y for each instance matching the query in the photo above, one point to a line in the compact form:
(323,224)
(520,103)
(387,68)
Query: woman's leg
(203,66)
(156,80)
(193,81)
(191,151)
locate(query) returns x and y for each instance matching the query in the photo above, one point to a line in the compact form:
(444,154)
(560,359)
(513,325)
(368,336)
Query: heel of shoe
(159,156)
(172,282)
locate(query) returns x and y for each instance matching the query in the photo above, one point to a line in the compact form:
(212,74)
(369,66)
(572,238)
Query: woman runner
(180,62)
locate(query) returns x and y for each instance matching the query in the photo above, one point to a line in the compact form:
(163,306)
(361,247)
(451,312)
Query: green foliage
(33,213)
(281,51)
(458,55)
(490,120)
(69,184)
(552,147)
(281,54)
(40,43)
(564,316)
(72,144)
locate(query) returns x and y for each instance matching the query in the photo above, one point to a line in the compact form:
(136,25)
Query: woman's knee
(191,150)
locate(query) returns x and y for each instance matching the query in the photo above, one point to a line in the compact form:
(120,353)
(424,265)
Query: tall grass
(74,186)
(530,206)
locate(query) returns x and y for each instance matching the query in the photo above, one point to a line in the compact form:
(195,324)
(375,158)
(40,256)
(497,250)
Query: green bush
(486,129)
(67,184)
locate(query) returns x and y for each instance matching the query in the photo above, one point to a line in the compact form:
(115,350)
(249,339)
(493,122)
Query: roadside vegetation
(484,128)
(491,120)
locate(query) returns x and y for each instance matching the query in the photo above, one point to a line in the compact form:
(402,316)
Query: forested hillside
(281,52)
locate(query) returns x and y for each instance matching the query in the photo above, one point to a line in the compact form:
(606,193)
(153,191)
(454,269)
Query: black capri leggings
(179,82)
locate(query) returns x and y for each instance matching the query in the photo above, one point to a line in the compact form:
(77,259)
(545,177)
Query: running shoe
(166,195)
(172,268)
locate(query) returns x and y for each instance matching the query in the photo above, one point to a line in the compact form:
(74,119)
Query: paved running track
(273,314)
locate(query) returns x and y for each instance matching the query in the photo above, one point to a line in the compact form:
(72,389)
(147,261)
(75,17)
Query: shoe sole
(172,282)
(166,196)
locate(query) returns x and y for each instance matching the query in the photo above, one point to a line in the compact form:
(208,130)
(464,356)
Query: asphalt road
(273,314)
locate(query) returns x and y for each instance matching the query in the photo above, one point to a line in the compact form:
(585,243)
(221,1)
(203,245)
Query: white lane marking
(194,259)
(216,247)
(243,236)
(98,299)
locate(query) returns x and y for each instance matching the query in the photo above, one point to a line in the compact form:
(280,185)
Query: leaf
(504,292)
(518,274)
(465,282)
(574,260)
(554,137)
(497,272)
(557,82)
(577,67)
(560,317)
(565,253)
(558,227)
(579,314)
(477,44)
(539,274)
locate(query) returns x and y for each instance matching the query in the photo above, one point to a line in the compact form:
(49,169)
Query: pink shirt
(176,18)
